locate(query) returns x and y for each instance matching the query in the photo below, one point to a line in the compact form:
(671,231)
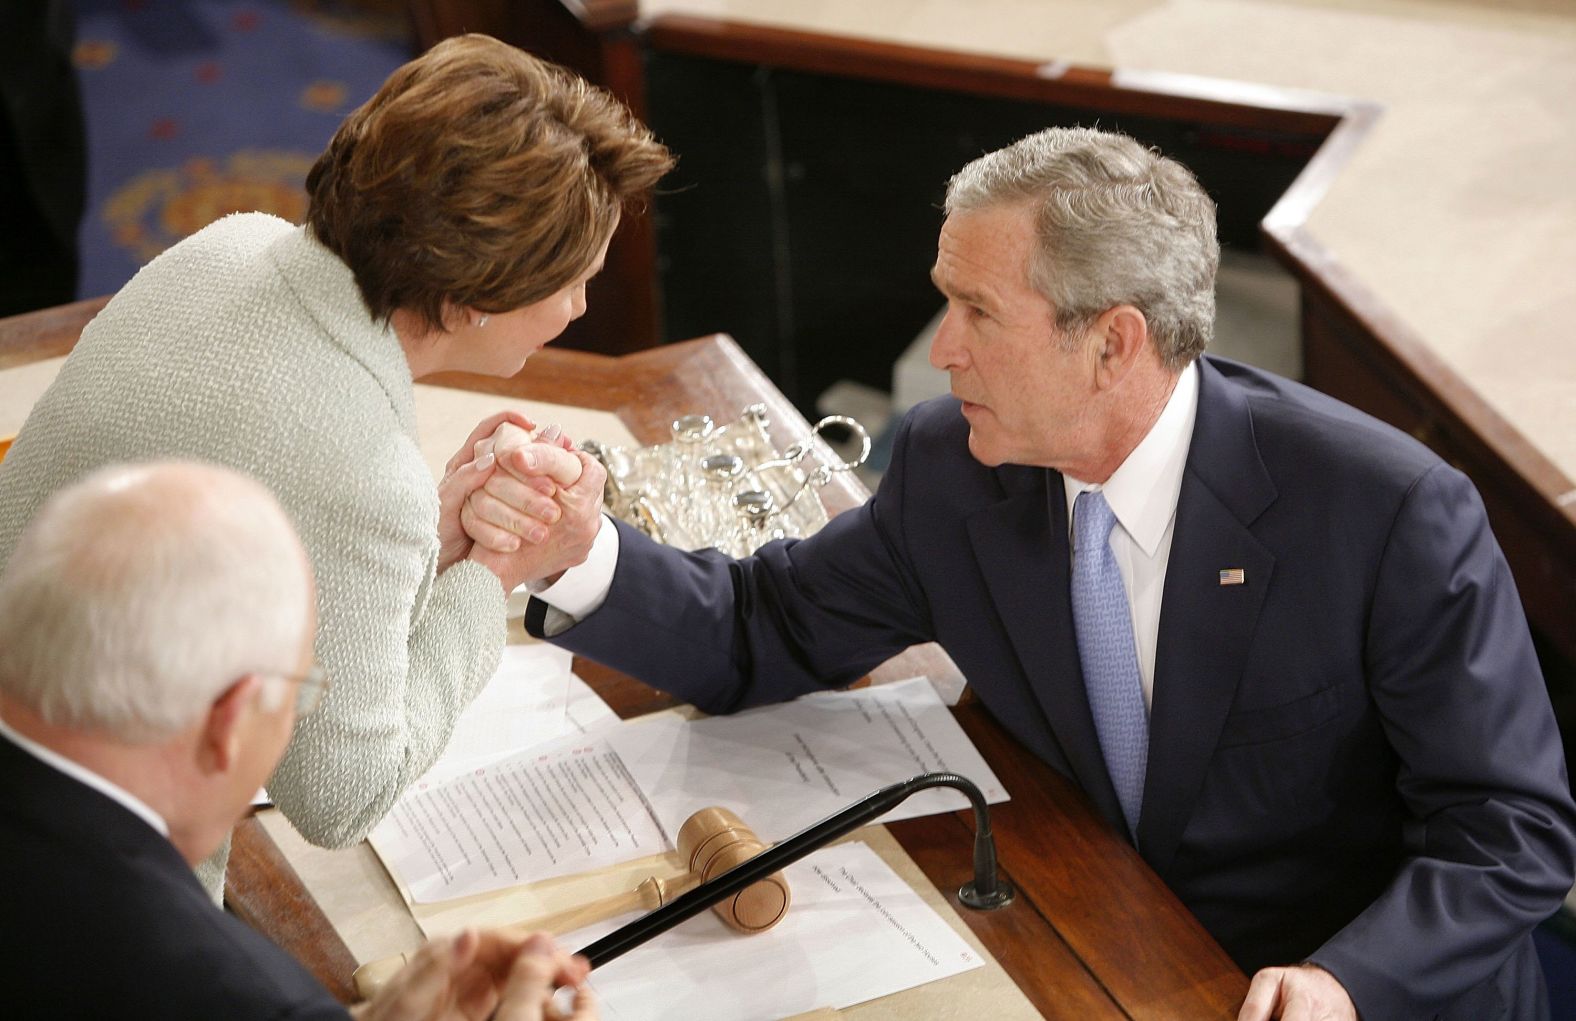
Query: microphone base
(998,898)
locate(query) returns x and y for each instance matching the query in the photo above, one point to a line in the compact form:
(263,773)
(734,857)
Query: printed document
(587,802)
(784,767)
(532,698)
(565,808)
(855,931)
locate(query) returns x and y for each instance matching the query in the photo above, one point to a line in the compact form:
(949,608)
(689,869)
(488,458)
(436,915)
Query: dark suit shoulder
(1306,434)
(933,441)
(111,922)
(937,423)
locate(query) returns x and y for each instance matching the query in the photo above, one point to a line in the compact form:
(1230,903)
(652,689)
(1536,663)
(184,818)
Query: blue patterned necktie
(1103,623)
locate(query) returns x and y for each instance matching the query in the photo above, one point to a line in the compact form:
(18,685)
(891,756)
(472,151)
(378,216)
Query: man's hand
(566,542)
(475,976)
(519,503)
(1305,992)
(534,977)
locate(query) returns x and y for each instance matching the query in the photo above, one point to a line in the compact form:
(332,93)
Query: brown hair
(477,175)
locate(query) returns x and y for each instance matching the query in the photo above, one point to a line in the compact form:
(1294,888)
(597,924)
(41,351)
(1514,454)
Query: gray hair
(138,594)
(1117,223)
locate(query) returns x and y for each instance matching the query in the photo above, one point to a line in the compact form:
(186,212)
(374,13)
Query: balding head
(139,594)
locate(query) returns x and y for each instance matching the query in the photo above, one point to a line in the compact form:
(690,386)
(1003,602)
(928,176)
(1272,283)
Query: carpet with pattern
(198,108)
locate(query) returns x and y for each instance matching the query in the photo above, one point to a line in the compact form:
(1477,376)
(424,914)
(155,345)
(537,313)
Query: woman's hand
(520,502)
(467,471)
(480,975)
(560,545)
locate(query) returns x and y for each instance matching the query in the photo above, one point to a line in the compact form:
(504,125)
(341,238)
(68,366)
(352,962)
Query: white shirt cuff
(581,590)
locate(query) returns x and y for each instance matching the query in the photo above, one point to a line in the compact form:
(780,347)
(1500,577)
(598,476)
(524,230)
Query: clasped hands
(524,506)
(485,976)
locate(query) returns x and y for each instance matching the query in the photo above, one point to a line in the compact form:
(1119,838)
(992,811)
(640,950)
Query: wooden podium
(1093,932)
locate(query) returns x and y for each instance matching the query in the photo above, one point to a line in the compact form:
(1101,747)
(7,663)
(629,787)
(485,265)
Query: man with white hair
(1272,639)
(156,634)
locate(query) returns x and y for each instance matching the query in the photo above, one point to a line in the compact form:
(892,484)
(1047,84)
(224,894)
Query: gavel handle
(652,893)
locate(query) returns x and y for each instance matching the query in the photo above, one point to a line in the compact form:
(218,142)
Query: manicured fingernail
(485,461)
(530,460)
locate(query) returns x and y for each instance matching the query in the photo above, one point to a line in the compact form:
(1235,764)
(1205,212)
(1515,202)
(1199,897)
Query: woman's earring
(482,321)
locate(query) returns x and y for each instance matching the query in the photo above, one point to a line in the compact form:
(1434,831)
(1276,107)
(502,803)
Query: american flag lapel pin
(1233,576)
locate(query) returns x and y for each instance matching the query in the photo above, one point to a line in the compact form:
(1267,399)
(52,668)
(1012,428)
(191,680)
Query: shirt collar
(83,775)
(1143,490)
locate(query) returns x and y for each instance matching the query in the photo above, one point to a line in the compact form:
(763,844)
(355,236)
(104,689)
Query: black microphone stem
(988,890)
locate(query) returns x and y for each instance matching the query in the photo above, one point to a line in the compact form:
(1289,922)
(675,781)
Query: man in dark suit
(1273,639)
(156,631)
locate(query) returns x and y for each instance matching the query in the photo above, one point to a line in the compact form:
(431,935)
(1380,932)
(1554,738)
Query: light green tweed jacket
(248,345)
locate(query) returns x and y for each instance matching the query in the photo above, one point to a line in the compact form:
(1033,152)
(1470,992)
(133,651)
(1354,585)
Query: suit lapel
(1021,546)
(1206,628)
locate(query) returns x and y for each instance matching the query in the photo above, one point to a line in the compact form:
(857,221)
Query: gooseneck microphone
(988,891)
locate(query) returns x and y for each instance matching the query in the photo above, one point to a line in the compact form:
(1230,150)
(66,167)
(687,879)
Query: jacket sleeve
(405,651)
(1452,670)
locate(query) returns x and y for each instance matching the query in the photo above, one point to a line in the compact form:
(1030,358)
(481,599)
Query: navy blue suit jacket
(104,919)
(1352,755)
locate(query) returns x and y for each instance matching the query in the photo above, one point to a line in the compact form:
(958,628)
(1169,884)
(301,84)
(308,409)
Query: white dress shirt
(84,775)
(1142,493)
(581,589)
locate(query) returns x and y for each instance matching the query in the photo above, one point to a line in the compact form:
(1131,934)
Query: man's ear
(1123,332)
(219,744)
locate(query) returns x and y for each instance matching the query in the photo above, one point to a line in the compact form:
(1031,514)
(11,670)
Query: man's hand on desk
(1305,992)
(480,975)
(540,514)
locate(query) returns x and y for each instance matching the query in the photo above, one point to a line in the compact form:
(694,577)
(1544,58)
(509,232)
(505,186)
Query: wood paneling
(1169,96)
(264,892)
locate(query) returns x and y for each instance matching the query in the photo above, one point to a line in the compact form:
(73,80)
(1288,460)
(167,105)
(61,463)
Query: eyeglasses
(313,685)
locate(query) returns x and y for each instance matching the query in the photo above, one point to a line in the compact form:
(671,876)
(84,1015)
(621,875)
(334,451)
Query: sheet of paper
(784,767)
(855,931)
(554,811)
(532,698)
(20,389)
(588,802)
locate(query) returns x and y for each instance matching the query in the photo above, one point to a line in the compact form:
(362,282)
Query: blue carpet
(198,108)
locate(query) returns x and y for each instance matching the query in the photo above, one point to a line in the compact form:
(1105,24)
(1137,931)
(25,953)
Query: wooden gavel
(710,842)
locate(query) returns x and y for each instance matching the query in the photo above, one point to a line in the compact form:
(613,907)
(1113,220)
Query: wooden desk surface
(1071,939)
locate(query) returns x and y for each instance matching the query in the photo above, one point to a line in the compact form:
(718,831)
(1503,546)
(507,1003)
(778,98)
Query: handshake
(522,502)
